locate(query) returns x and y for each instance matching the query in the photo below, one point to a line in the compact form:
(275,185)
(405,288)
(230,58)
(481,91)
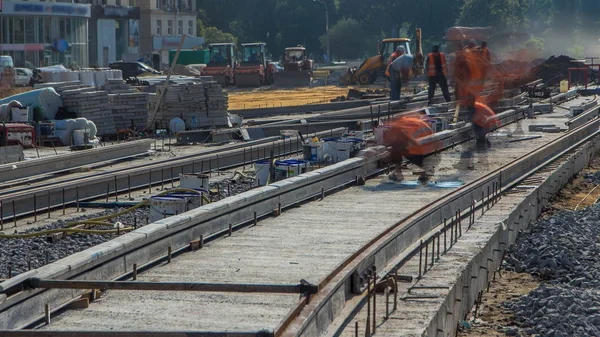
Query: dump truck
(374,66)
(221,64)
(254,70)
(297,68)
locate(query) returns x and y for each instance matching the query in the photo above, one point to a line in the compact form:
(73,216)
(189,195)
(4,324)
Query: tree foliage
(356,25)
(347,39)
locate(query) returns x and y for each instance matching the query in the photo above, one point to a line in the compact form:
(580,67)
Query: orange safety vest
(485,54)
(469,75)
(484,116)
(431,71)
(391,59)
(403,137)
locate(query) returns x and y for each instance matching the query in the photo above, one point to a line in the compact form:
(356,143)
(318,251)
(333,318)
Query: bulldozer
(374,66)
(254,70)
(221,64)
(297,68)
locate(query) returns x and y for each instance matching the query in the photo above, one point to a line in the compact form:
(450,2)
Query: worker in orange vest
(437,70)
(404,141)
(485,52)
(469,75)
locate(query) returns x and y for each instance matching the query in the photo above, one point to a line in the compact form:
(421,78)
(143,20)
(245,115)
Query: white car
(22,76)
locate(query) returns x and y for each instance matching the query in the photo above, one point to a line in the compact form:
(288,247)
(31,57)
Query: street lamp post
(324,2)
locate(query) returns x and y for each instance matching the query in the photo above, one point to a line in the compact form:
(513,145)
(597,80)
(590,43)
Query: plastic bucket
(294,167)
(20,114)
(261,169)
(79,137)
(194,181)
(193,200)
(163,207)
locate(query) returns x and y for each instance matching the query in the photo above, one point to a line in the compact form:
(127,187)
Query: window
(118,2)
(190,27)
(157,4)
(159,27)
(170,27)
(180,28)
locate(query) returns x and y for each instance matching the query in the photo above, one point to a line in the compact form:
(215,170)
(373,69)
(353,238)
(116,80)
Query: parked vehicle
(133,69)
(22,77)
(6,69)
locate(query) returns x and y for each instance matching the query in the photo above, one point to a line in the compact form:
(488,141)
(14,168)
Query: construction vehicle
(375,66)
(297,68)
(254,70)
(221,64)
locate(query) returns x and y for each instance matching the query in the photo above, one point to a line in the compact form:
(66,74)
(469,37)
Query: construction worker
(403,139)
(399,70)
(469,78)
(485,52)
(391,59)
(437,70)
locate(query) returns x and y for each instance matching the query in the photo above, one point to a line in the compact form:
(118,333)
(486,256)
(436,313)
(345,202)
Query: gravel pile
(563,250)
(19,254)
(229,186)
(555,310)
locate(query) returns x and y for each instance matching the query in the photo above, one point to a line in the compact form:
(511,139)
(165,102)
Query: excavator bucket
(293,79)
(247,80)
(347,78)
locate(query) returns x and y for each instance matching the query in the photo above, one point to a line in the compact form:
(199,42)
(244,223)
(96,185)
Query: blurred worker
(403,138)
(399,70)
(437,70)
(469,76)
(485,52)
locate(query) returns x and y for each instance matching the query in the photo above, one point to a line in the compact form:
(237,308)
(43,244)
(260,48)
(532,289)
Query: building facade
(114,30)
(162,23)
(45,33)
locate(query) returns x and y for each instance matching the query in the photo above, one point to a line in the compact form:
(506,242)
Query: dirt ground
(579,193)
(491,314)
(266,98)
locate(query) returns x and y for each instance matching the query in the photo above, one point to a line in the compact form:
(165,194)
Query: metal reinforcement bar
(315,317)
(61,162)
(301,288)
(38,333)
(45,197)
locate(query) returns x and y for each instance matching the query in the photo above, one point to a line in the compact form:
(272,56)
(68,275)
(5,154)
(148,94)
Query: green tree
(214,35)
(347,39)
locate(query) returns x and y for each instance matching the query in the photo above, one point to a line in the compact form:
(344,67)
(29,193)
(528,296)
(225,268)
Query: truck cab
(221,63)
(254,69)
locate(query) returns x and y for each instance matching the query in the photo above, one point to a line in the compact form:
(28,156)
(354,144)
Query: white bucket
(20,114)
(314,151)
(379,134)
(79,137)
(164,207)
(261,169)
(194,181)
(337,151)
(192,200)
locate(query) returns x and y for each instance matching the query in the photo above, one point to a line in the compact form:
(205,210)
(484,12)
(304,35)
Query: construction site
(244,198)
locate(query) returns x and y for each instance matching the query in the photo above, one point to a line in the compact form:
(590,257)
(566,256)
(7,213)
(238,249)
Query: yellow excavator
(374,66)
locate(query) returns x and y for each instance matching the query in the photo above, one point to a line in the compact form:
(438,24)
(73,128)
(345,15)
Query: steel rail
(301,316)
(51,196)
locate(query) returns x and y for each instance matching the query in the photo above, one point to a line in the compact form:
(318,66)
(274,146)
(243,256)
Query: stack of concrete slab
(129,110)
(217,103)
(92,105)
(186,101)
(117,86)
